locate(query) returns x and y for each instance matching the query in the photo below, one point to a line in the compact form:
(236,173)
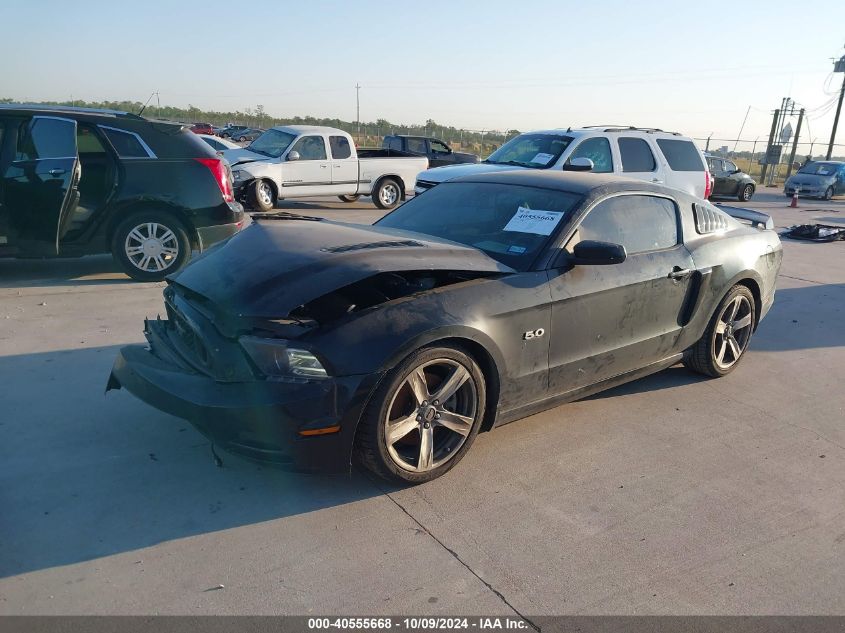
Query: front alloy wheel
(424,417)
(388,194)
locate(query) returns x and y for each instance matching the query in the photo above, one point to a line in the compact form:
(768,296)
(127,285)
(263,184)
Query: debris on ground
(815,232)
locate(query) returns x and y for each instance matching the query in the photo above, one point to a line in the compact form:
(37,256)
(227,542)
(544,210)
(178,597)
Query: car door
(344,166)
(717,168)
(39,182)
(638,159)
(840,180)
(439,154)
(732,178)
(310,174)
(612,319)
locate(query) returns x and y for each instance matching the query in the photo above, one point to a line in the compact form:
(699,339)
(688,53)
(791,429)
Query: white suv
(647,154)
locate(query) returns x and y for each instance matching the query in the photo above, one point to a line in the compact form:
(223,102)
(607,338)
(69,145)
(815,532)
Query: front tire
(424,416)
(151,245)
(261,196)
(828,193)
(723,344)
(746,192)
(387,194)
(352,198)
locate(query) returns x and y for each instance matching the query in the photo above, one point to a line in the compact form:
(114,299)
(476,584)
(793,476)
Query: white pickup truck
(295,161)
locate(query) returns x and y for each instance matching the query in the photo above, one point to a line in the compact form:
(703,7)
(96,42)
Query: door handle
(680,273)
(324,166)
(657,180)
(56,172)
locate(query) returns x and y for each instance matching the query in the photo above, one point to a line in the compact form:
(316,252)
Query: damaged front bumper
(284,423)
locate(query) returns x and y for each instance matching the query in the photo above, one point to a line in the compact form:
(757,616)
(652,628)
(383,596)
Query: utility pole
(769,146)
(707,147)
(838,68)
(742,127)
(358,109)
(795,143)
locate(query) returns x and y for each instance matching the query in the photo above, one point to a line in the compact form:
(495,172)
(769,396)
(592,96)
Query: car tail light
(708,184)
(221,176)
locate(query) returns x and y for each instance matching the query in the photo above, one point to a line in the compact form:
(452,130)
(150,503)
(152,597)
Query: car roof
(582,183)
(609,129)
(60,109)
(309,128)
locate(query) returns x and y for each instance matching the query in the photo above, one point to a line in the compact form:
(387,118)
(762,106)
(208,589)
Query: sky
(693,67)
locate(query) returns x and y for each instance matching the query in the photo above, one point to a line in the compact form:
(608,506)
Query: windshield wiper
(285,215)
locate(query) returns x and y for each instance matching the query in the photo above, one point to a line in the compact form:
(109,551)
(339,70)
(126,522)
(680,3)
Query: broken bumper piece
(260,420)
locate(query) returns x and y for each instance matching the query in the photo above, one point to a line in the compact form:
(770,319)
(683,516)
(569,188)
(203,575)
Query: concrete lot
(673,494)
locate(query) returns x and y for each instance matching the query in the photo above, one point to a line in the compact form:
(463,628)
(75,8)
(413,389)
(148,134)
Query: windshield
(819,169)
(540,151)
(272,143)
(511,223)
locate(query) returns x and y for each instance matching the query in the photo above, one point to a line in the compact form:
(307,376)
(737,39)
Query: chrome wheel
(389,194)
(265,194)
(151,247)
(733,332)
(430,415)
(747,192)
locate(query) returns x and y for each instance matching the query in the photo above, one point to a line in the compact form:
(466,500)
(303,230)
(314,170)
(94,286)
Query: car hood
(242,155)
(442,174)
(276,265)
(816,180)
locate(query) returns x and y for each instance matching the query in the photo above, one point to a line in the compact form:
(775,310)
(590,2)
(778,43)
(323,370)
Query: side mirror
(293,155)
(579,164)
(736,171)
(593,253)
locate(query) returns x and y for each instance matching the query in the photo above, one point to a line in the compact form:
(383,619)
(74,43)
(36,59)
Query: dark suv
(76,181)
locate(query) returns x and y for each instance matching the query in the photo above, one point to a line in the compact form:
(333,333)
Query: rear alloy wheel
(746,192)
(387,194)
(150,246)
(261,196)
(352,198)
(721,348)
(828,193)
(424,417)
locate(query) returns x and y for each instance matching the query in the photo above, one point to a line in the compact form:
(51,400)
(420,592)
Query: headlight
(275,359)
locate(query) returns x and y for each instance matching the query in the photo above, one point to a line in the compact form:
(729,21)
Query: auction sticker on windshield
(534,221)
(542,158)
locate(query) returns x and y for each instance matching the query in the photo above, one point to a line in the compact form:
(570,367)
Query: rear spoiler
(756,218)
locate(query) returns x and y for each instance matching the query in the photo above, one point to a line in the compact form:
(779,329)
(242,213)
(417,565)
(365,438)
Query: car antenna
(569,129)
(141,111)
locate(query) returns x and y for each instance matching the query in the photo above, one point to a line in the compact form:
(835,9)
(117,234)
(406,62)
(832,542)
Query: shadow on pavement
(86,475)
(79,271)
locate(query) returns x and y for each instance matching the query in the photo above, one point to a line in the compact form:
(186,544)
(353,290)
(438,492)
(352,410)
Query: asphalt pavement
(673,494)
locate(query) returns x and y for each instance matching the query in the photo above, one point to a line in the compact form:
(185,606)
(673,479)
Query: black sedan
(481,301)
(729,181)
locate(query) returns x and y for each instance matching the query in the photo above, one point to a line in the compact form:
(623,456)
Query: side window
(46,138)
(310,148)
(437,146)
(639,223)
(126,144)
(88,142)
(396,143)
(681,155)
(597,149)
(636,155)
(417,146)
(729,166)
(340,147)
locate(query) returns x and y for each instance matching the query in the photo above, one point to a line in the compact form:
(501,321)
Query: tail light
(708,184)
(221,176)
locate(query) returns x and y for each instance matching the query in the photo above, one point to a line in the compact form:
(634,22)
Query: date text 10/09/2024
(413,623)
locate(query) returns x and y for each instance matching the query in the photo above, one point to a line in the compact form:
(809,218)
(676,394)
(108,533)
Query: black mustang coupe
(486,299)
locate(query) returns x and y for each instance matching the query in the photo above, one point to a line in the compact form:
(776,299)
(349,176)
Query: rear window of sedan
(681,155)
(511,223)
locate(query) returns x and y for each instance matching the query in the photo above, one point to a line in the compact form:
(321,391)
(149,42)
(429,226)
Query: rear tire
(746,192)
(727,336)
(407,434)
(149,245)
(261,196)
(352,198)
(387,194)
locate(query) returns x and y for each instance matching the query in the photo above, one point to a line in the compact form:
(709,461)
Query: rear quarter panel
(371,170)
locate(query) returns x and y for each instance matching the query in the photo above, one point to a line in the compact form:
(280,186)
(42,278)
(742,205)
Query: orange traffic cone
(794,203)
